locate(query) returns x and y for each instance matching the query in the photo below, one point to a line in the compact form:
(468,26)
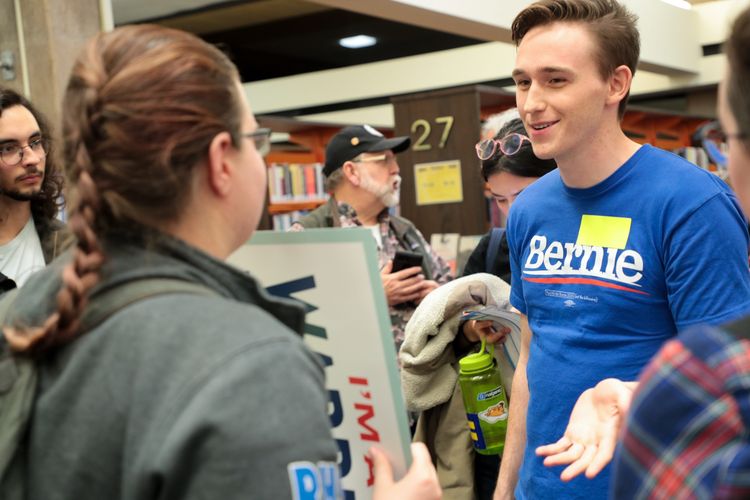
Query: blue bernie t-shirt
(607,274)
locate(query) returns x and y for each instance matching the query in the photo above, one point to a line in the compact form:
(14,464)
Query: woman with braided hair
(206,392)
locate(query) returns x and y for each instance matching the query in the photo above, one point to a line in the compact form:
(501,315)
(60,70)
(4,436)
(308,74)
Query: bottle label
(475,430)
(498,391)
(494,413)
(487,415)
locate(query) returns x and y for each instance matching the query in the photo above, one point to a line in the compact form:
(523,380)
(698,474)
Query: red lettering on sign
(368,413)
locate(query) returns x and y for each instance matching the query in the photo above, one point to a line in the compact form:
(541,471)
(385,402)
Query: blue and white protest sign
(334,274)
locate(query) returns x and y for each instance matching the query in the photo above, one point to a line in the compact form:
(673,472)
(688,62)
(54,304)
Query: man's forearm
(515,439)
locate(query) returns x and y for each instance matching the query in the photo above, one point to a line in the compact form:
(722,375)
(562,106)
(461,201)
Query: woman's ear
(220,163)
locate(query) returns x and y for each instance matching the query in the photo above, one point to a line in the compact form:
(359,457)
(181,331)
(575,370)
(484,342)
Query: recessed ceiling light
(358,41)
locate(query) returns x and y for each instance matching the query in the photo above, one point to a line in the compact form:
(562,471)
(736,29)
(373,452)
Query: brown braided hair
(141,108)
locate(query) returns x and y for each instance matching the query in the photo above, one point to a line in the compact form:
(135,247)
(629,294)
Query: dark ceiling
(275,38)
(310,43)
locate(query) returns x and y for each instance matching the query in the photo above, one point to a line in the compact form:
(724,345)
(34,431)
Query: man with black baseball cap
(362,176)
(352,141)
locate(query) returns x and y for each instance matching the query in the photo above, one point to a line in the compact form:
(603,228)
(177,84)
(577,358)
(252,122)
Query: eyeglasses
(714,142)
(12,154)
(262,139)
(509,145)
(712,131)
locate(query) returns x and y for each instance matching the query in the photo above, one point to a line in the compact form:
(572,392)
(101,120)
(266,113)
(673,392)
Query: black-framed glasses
(714,132)
(262,139)
(509,145)
(12,153)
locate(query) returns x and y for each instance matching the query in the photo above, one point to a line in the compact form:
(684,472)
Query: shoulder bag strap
(493,248)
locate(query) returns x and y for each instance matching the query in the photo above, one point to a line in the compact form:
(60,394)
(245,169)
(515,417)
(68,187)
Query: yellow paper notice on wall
(604,231)
(438,182)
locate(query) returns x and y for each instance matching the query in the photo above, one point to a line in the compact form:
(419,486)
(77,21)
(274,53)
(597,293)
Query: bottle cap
(477,361)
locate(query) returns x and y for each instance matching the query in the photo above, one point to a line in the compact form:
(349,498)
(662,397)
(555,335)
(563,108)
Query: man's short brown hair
(738,84)
(611,24)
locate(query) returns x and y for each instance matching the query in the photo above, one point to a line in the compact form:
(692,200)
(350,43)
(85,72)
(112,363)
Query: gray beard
(388,196)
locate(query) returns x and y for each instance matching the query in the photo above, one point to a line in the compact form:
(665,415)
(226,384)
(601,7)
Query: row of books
(697,156)
(295,182)
(282,222)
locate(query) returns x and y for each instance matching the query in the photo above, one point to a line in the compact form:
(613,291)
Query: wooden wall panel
(412,113)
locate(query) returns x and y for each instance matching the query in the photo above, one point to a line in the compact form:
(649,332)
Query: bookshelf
(674,132)
(295,183)
(293,190)
(292,206)
(295,179)
(666,130)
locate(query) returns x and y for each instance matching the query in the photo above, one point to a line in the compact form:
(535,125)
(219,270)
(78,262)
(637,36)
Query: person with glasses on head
(196,383)
(612,253)
(362,176)
(508,165)
(30,188)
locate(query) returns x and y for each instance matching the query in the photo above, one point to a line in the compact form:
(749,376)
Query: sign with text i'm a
(334,274)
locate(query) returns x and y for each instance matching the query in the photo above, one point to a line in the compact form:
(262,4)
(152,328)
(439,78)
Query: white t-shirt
(22,256)
(375,230)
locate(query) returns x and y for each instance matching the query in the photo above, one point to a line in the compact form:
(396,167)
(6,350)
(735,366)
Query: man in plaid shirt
(362,175)
(688,417)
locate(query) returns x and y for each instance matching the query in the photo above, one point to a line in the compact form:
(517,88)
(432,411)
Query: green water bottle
(485,400)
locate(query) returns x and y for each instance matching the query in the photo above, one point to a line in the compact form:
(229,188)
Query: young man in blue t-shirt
(612,253)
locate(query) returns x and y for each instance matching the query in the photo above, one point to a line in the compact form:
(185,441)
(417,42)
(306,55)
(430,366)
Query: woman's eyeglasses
(509,145)
(262,139)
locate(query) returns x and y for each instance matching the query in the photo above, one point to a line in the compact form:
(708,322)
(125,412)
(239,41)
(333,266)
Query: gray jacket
(177,396)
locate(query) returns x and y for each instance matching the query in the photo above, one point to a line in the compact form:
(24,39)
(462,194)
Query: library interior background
(437,71)
(405,67)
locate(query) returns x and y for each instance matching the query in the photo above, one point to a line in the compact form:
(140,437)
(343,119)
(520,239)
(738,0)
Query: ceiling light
(358,41)
(683,4)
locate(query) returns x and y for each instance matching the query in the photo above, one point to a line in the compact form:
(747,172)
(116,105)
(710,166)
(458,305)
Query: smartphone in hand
(403,260)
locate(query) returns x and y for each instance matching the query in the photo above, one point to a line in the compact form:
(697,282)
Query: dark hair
(738,84)
(611,24)
(141,109)
(523,164)
(47,203)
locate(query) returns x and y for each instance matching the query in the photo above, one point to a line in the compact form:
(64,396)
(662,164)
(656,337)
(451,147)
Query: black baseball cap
(357,139)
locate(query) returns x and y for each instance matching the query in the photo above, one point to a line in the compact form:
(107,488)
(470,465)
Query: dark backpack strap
(6,284)
(493,248)
(739,328)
